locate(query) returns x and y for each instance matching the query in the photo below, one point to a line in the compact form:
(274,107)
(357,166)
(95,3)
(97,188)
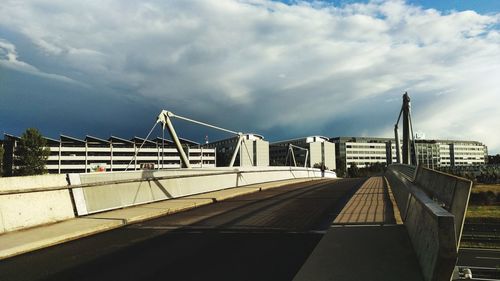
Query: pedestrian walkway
(366,241)
(371,204)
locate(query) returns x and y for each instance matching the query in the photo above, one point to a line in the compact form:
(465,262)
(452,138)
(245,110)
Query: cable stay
(165,117)
(292,153)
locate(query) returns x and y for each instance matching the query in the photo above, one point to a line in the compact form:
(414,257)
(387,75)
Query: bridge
(234,223)
(239,223)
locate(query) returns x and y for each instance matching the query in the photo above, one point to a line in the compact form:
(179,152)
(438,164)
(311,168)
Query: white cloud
(302,67)
(9,58)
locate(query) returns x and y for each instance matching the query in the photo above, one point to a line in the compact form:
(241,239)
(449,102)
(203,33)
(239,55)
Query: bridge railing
(450,191)
(35,200)
(432,205)
(407,171)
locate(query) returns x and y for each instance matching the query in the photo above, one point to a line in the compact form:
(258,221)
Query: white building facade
(319,151)
(365,151)
(72,155)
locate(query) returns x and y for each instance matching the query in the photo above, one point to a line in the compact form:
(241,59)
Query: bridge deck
(363,242)
(264,235)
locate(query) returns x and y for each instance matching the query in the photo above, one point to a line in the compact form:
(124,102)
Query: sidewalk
(371,204)
(364,243)
(22,241)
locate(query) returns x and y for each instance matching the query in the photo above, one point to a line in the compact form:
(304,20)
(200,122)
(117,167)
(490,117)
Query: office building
(365,151)
(317,149)
(253,151)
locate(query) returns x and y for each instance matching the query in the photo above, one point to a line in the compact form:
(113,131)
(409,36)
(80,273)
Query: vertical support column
(59,159)
(406,130)
(111,156)
(398,145)
(135,158)
(201,156)
(177,142)
(86,157)
(157,156)
(236,150)
(293,157)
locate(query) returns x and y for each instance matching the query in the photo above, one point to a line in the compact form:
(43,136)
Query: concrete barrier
(450,191)
(433,208)
(33,200)
(101,192)
(401,189)
(432,234)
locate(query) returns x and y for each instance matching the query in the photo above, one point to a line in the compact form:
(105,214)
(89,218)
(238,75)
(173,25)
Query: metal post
(111,156)
(287,153)
(177,142)
(135,158)
(201,156)
(236,150)
(293,156)
(406,130)
(157,156)
(398,145)
(59,158)
(163,148)
(413,140)
(86,156)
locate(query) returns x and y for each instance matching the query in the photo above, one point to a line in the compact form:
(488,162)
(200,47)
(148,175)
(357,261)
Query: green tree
(341,168)
(353,171)
(319,165)
(33,153)
(1,160)
(494,159)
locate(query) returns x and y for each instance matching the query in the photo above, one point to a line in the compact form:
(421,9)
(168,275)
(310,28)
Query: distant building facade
(72,155)
(365,151)
(253,151)
(320,151)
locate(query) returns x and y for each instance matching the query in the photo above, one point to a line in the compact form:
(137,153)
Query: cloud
(10,59)
(301,68)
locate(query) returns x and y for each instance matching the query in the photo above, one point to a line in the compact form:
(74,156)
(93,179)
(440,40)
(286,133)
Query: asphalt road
(266,235)
(484,263)
(479,257)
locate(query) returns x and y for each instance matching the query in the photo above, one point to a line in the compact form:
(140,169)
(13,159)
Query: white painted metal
(233,158)
(164,118)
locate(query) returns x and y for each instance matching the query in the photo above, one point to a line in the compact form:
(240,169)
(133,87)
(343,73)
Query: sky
(280,69)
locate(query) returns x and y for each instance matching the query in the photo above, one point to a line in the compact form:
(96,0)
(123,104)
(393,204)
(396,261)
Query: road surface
(266,235)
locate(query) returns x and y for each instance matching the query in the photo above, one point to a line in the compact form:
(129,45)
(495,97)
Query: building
(365,151)
(72,155)
(253,151)
(450,153)
(319,150)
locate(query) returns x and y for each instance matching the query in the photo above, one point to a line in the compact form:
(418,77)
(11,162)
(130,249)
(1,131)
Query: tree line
(32,154)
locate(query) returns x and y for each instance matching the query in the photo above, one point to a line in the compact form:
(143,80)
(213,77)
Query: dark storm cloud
(262,66)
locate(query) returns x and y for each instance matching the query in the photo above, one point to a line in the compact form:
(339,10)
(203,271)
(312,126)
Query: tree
(320,165)
(353,171)
(494,159)
(1,160)
(341,168)
(33,153)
